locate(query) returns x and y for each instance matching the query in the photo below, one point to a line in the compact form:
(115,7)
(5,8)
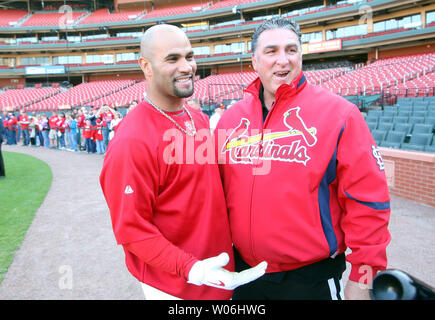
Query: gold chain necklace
(193,133)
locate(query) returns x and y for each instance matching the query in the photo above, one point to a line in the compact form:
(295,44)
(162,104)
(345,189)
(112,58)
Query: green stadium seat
(386,126)
(400,119)
(389,113)
(422,128)
(372,126)
(418,141)
(404,127)
(419,113)
(430,120)
(372,119)
(379,135)
(386,119)
(414,119)
(394,139)
(374,112)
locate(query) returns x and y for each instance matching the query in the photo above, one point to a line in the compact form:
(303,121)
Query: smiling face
(277,59)
(169,66)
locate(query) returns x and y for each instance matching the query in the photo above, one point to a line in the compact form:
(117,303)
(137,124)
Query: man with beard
(169,214)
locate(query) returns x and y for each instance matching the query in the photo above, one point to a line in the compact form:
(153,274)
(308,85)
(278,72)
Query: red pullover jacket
(162,192)
(305,184)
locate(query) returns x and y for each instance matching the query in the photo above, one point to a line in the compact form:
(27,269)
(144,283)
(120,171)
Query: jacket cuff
(363,273)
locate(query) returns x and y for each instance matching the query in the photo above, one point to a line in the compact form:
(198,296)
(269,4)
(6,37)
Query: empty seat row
(405,127)
(400,140)
(429,119)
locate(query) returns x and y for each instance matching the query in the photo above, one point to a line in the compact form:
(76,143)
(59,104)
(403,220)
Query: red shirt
(24,122)
(107,116)
(52,121)
(13,123)
(81,121)
(157,191)
(98,135)
(60,123)
(87,131)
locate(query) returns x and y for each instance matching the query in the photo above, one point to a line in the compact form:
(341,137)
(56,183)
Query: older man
(303,179)
(169,213)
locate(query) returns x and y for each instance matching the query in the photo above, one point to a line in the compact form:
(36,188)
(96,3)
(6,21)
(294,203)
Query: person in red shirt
(98,136)
(52,134)
(24,124)
(166,204)
(88,135)
(61,125)
(12,124)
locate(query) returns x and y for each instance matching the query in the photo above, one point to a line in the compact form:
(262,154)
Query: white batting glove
(211,273)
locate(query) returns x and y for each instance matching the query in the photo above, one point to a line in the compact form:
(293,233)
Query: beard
(183,91)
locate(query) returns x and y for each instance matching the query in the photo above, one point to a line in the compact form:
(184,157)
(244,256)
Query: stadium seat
(401,119)
(430,120)
(403,127)
(422,128)
(405,113)
(379,135)
(414,119)
(373,112)
(394,139)
(418,141)
(389,113)
(386,119)
(419,113)
(386,126)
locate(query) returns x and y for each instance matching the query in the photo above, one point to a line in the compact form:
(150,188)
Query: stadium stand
(50,19)
(103,15)
(82,94)
(24,97)
(10,18)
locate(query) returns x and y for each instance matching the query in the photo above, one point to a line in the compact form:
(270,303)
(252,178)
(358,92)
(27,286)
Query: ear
(254,62)
(146,67)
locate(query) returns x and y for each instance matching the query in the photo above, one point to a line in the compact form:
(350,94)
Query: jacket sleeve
(363,194)
(129,180)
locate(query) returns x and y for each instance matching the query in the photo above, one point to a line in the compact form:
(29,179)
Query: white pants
(155,294)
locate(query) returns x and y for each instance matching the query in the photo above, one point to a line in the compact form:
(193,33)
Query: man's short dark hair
(275,23)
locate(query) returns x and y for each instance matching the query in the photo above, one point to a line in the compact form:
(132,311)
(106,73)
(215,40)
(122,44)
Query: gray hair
(275,23)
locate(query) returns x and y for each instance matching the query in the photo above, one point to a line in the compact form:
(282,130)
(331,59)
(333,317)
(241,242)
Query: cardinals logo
(294,122)
(244,148)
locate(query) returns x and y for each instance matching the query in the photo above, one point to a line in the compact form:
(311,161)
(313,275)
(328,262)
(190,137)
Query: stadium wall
(114,76)
(410,174)
(426,48)
(4,82)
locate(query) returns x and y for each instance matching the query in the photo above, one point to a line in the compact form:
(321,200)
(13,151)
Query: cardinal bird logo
(294,122)
(239,133)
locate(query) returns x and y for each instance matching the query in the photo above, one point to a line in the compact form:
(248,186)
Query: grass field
(22,192)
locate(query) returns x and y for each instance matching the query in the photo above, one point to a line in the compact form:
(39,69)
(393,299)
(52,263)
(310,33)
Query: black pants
(318,281)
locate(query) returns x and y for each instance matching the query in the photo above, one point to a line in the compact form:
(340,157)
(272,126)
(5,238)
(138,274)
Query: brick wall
(410,174)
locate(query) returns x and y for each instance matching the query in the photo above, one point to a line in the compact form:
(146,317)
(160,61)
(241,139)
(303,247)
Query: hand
(210,272)
(356,291)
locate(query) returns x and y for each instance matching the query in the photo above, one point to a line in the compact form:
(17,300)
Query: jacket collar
(288,89)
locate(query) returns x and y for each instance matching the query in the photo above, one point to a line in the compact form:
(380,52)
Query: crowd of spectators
(77,130)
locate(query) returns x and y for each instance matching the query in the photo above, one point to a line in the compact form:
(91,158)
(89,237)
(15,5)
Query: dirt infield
(69,251)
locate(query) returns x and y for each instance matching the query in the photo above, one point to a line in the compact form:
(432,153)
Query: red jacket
(305,184)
